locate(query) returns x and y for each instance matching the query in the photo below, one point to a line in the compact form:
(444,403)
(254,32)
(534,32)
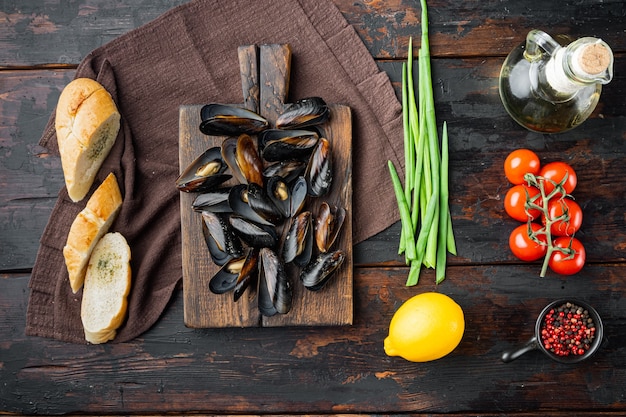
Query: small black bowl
(535,341)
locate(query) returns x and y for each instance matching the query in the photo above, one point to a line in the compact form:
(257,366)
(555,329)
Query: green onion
(405,216)
(427,234)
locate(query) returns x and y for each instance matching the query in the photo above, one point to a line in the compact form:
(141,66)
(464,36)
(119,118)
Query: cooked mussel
(249,275)
(317,273)
(225,279)
(288,198)
(215,201)
(220,238)
(275,285)
(288,170)
(261,203)
(319,174)
(239,202)
(328,223)
(204,173)
(254,235)
(298,242)
(225,120)
(282,145)
(248,160)
(306,112)
(229,155)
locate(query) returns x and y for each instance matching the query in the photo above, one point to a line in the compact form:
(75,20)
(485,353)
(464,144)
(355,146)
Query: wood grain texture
(172,368)
(44,33)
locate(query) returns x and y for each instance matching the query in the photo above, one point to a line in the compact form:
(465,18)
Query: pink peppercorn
(567,330)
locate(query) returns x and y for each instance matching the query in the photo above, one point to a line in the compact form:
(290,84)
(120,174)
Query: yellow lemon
(426,327)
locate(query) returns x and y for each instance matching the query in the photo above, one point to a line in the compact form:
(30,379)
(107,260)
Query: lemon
(426,327)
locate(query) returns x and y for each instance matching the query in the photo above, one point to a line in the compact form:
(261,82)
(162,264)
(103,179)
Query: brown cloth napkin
(189,56)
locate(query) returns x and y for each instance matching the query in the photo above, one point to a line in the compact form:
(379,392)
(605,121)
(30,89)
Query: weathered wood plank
(30,178)
(174,369)
(55,32)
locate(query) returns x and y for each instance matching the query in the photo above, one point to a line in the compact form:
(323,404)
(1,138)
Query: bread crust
(87,122)
(88,227)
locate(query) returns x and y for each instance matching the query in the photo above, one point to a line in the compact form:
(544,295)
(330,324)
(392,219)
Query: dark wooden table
(172,369)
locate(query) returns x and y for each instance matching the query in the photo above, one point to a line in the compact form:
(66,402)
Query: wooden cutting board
(265,79)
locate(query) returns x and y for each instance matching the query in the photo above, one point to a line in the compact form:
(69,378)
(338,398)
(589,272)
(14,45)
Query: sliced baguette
(87,123)
(88,227)
(107,285)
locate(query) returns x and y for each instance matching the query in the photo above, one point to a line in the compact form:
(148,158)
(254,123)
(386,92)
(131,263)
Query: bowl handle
(511,355)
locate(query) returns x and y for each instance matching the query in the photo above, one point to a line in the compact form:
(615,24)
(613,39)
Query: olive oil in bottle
(548,87)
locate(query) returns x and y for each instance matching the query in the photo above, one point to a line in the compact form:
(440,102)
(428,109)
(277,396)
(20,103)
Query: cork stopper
(594,59)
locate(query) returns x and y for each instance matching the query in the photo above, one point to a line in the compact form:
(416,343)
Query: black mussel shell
(238,200)
(215,201)
(229,155)
(248,160)
(225,279)
(204,173)
(289,170)
(254,235)
(306,112)
(279,193)
(282,145)
(298,243)
(328,223)
(224,120)
(288,198)
(317,273)
(275,285)
(262,204)
(220,238)
(319,175)
(249,274)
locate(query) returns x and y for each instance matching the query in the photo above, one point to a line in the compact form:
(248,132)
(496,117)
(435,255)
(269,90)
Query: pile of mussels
(260,228)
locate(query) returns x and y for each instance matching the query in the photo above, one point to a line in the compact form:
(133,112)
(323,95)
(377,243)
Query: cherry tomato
(561,263)
(557,208)
(518,163)
(523,246)
(515,202)
(555,171)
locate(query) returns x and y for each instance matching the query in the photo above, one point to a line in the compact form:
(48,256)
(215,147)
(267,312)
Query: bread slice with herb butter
(87,123)
(88,227)
(106,289)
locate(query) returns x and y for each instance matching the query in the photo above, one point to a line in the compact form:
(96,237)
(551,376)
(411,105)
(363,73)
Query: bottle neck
(583,63)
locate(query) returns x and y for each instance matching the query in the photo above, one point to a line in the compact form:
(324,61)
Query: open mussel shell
(221,240)
(306,112)
(288,170)
(319,174)
(261,203)
(298,242)
(328,223)
(204,173)
(238,200)
(254,235)
(248,160)
(317,273)
(224,120)
(288,198)
(282,145)
(275,285)
(249,274)
(226,278)
(229,155)
(215,201)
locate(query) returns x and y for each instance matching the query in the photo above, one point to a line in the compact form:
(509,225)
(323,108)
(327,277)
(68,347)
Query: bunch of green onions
(427,234)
